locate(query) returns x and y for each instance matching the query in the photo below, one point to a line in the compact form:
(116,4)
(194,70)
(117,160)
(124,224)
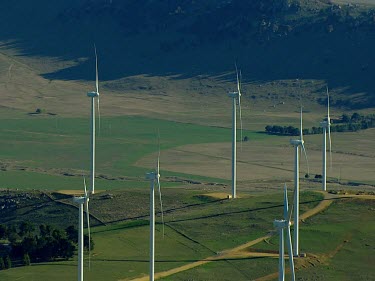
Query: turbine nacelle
(297,142)
(93,94)
(152,176)
(281,224)
(80,200)
(235,95)
(325,124)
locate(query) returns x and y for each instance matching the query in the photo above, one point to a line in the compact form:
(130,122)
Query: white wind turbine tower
(297,143)
(236,96)
(81,201)
(154,176)
(93,95)
(326,125)
(282,226)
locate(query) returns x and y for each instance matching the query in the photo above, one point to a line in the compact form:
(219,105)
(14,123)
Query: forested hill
(270,39)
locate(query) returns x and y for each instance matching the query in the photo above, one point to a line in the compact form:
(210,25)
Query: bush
(39,110)
(7,263)
(26,259)
(2,264)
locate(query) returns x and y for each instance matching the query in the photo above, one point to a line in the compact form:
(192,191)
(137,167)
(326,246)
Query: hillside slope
(270,40)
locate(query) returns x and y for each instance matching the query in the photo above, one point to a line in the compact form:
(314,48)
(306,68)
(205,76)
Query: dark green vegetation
(24,243)
(271,40)
(346,124)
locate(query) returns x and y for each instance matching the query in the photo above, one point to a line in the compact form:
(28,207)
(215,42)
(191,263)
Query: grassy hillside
(195,230)
(270,40)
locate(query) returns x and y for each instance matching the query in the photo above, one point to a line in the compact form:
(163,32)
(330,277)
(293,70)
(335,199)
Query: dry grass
(352,159)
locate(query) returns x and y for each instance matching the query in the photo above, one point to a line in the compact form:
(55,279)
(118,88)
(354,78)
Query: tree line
(24,243)
(346,123)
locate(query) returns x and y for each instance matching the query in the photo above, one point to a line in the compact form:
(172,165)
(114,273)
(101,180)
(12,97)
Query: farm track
(240,251)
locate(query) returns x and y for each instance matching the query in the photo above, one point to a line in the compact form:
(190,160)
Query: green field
(42,150)
(195,230)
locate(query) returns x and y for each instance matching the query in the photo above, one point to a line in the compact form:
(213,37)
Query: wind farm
(169,115)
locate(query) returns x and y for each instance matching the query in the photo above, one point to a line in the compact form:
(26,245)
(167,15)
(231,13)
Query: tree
(7,262)
(2,264)
(26,228)
(29,244)
(86,242)
(13,237)
(3,231)
(356,117)
(66,248)
(345,118)
(72,233)
(26,259)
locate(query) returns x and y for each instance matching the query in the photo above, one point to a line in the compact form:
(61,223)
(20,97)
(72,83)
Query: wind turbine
(282,226)
(236,96)
(93,95)
(297,143)
(83,202)
(154,176)
(326,125)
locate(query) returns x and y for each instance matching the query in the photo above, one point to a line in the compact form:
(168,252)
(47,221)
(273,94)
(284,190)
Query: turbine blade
(330,146)
(88,228)
(158,161)
(96,72)
(329,131)
(158,181)
(327,104)
(161,206)
(301,125)
(99,125)
(307,160)
(290,253)
(84,185)
(238,78)
(239,107)
(302,143)
(286,204)
(290,209)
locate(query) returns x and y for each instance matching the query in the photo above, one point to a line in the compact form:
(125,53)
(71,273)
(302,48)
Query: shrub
(2,264)
(7,263)
(26,259)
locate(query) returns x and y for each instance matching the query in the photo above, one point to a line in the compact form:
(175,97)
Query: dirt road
(239,252)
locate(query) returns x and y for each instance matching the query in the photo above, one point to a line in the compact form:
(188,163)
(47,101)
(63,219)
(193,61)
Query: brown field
(270,160)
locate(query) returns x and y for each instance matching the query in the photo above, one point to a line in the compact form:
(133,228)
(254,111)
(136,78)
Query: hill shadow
(343,57)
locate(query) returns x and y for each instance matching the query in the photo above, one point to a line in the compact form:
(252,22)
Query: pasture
(49,153)
(194,231)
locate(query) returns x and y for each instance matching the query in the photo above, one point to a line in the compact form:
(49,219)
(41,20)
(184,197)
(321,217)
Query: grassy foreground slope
(337,242)
(193,232)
